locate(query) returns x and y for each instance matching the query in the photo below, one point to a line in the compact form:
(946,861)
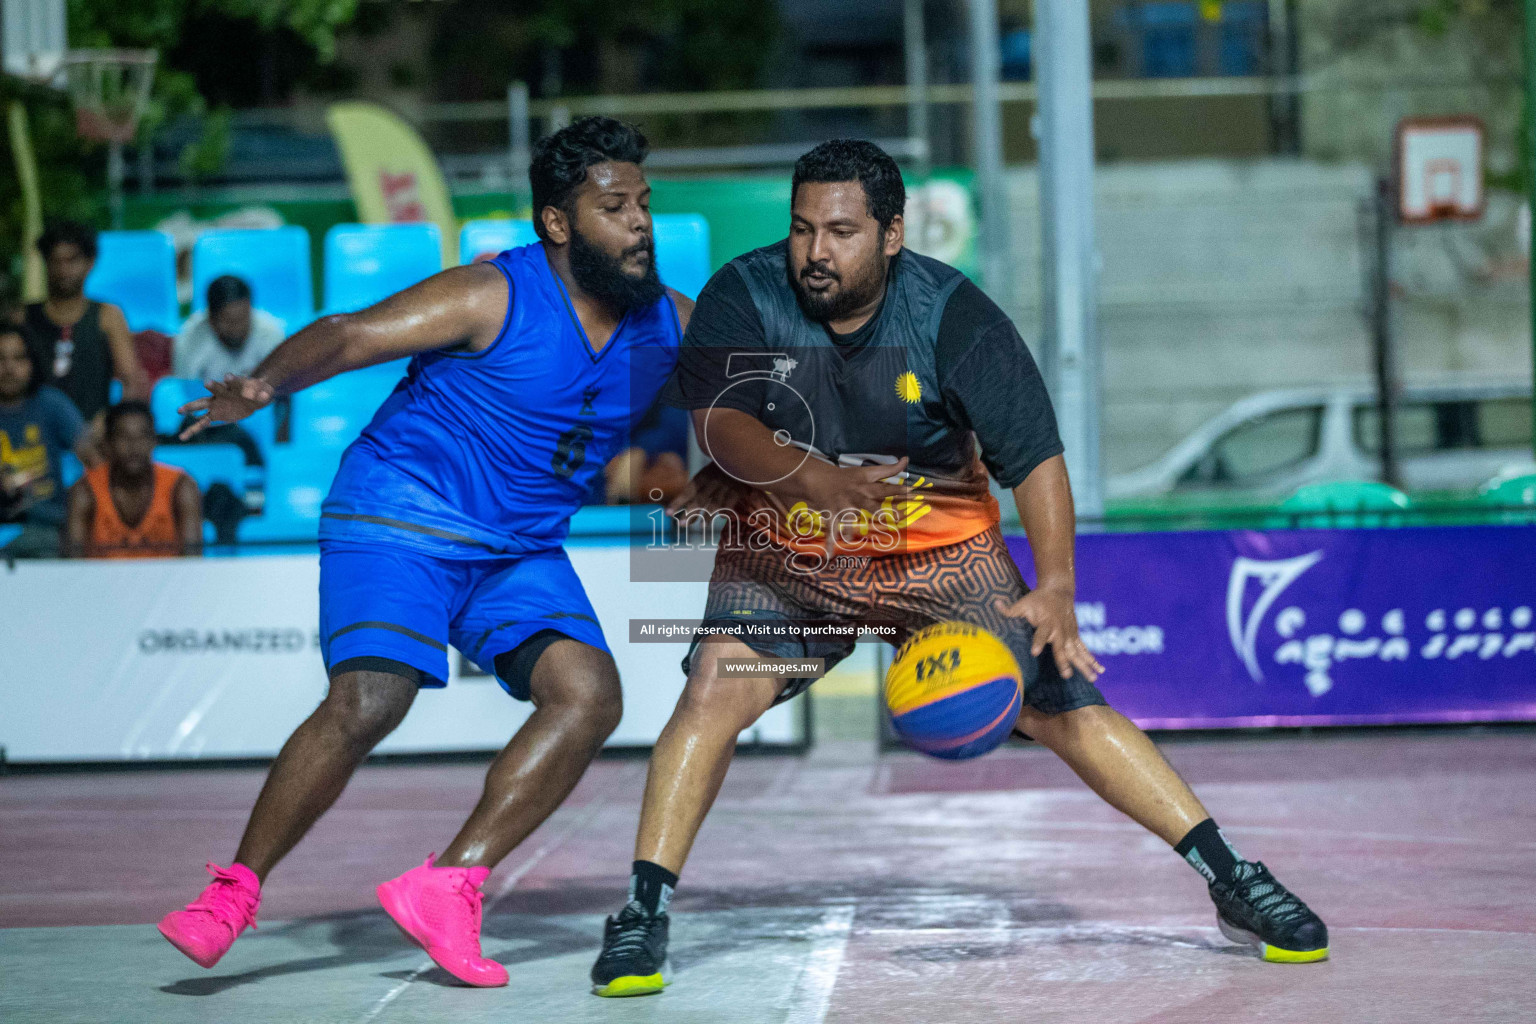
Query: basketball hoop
(109,90)
(1439,169)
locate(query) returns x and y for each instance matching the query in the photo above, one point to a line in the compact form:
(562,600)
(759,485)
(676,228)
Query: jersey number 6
(571,451)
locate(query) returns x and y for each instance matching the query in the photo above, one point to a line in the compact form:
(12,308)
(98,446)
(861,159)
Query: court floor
(841,887)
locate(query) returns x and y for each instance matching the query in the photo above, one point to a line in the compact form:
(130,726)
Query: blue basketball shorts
(381,604)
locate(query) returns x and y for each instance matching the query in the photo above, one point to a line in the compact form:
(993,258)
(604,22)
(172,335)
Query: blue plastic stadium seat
(682,246)
(70,469)
(298,480)
(207,464)
(1244,24)
(273,261)
(482,239)
(682,251)
(368,262)
(1168,43)
(136,270)
(332,413)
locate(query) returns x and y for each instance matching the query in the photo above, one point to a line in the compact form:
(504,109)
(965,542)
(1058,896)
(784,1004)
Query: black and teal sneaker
(1256,910)
(634,957)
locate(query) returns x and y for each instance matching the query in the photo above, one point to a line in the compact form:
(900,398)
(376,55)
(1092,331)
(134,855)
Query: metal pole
(916,51)
(146,169)
(1530,154)
(1284,62)
(1069,267)
(987,141)
(519,138)
(117,170)
(1381,335)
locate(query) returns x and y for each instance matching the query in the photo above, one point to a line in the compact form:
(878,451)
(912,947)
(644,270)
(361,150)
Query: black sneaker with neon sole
(634,957)
(1256,910)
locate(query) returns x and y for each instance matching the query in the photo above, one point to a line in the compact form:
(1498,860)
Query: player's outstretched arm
(462,308)
(1045,509)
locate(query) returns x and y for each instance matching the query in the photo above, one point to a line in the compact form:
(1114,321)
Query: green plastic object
(1344,503)
(1506,493)
(1517,490)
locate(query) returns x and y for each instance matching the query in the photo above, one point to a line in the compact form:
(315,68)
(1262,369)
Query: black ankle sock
(1208,852)
(652,885)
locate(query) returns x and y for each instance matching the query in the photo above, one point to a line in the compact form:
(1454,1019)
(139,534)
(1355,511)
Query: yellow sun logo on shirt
(908,388)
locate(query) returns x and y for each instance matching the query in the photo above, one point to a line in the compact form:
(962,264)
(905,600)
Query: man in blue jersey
(445,524)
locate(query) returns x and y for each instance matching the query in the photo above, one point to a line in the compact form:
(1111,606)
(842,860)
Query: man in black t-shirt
(79,345)
(841,384)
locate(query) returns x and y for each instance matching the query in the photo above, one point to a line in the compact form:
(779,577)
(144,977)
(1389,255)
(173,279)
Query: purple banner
(1311,627)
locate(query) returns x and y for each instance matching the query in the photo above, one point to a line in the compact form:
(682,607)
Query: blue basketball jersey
(490,453)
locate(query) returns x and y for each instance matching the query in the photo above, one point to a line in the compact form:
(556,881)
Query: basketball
(954,691)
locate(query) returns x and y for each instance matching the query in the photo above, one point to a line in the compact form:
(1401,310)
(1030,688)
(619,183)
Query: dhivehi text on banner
(1311,627)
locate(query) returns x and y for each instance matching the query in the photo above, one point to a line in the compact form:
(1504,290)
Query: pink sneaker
(439,910)
(210,924)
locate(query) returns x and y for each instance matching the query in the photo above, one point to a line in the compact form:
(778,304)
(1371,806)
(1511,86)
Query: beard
(846,298)
(604,278)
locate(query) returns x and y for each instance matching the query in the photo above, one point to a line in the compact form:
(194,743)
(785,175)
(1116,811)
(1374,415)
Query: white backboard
(1439,169)
(34,37)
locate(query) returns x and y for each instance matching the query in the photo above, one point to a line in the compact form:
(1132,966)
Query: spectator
(230,336)
(77,345)
(132,506)
(37,426)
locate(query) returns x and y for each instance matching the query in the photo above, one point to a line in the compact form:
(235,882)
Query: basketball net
(109,90)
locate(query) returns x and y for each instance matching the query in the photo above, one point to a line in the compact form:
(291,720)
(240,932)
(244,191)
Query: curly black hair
(856,160)
(80,235)
(560,161)
(225,289)
(122,410)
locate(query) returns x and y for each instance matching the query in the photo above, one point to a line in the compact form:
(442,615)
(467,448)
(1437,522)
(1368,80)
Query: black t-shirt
(77,360)
(989,383)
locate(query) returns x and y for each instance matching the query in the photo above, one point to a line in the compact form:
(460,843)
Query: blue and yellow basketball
(954,691)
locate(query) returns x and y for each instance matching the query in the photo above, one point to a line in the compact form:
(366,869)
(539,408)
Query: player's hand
(1050,611)
(710,491)
(230,399)
(837,489)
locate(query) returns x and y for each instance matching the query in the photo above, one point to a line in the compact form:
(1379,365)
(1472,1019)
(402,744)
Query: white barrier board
(220,657)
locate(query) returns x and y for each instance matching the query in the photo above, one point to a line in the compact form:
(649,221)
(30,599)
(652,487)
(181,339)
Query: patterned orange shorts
(909,590)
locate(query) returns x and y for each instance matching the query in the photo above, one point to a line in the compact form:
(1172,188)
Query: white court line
(1130,827)
(1093,927)
(812,994)
(506,886)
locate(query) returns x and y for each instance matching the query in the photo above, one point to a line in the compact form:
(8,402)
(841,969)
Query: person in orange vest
(132,506)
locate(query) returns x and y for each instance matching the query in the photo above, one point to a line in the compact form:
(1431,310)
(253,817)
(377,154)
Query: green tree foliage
(674,44)
(71,171)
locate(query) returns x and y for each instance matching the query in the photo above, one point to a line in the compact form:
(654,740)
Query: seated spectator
(230,336)
(77,345)
(655,463)
(132,506)
(37,426)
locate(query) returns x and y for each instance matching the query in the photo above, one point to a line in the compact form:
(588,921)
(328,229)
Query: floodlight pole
(519,135)
(915,49)
(1530,163)
(987,140)
(1069,265)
